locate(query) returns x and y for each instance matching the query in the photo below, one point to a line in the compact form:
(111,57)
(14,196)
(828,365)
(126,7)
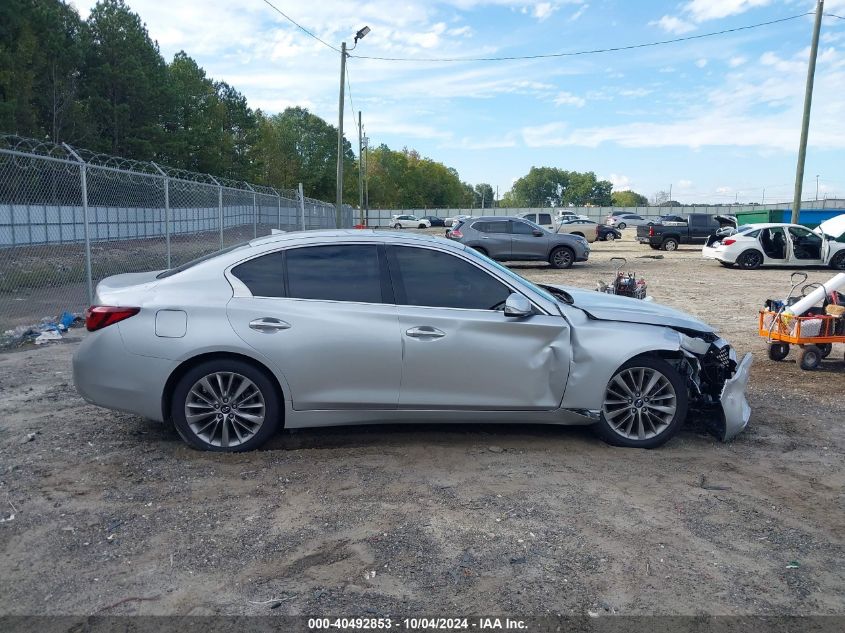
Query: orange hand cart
(814,334)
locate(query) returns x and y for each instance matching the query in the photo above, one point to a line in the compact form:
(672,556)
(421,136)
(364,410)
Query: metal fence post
(88,274)
(301,207)
(166,211)
(83,183)
(220,212)
(279,200)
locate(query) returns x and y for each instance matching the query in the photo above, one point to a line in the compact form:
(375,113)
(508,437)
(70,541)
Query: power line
(585,52)
(299,26)
(349,91)
(833,15)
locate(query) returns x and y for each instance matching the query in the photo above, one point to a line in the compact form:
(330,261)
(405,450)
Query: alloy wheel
(562,258)
(225,409)
(640,403)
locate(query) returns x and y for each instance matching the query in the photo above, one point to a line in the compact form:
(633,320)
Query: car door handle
(269,325)
(425,331)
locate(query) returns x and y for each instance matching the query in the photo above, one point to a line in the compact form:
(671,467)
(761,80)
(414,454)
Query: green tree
(628,198)
(483,197)
(124,83)
(298,146)
(40,54)
(550,186)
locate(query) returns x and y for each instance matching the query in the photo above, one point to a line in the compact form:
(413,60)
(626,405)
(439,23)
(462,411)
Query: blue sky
(718,118)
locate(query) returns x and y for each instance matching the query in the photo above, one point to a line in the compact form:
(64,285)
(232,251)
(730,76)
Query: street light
(343,54)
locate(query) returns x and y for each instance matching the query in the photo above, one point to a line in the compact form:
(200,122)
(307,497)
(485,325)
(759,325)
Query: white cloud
(695,12)
(701,63)
(703,10)
(543,10)
(567,98)
(724,190)
(684,184)
(579,12)
(671,24)
(620,182)
(737,61)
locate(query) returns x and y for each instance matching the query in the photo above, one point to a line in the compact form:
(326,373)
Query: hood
(627,310)
(835,227)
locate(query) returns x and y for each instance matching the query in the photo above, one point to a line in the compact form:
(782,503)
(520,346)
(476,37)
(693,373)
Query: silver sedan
(355,327)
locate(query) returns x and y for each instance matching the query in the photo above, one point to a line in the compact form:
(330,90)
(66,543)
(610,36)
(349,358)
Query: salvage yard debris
(50,329)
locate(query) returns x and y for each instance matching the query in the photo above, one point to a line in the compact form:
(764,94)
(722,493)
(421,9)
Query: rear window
(264,276)
(345,272)
(491,227)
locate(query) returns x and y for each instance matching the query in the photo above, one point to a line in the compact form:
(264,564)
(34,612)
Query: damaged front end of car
(717,382)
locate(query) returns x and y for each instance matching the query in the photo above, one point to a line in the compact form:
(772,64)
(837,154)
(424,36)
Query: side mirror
(537,233)
(518,306)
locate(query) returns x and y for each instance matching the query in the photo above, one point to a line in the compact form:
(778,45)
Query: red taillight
(456,234)
(728,242)
(651,231)
(98,317)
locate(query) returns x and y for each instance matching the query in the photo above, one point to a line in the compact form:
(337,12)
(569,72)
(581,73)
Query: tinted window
(491,227)
(545,218)
(523,228)
(347,272)
(436,279)
(264,276)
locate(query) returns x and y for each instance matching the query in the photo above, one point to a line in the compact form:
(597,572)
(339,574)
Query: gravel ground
(107,513)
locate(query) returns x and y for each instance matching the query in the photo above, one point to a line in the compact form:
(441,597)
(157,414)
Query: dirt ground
(107,513)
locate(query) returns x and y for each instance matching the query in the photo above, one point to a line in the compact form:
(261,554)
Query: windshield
(198,260)
(510,274)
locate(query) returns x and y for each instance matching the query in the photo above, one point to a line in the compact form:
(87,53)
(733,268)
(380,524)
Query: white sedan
(409,222)
(755,245)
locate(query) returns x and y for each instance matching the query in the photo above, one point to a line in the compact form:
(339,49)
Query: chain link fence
(70,217)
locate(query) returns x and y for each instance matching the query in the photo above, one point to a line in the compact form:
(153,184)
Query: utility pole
(366,178)
(763,202)
(670,192)
(805,122)
(817,188)
(360,171)
(338,212)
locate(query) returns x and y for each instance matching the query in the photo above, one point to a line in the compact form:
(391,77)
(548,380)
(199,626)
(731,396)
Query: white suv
(409,222)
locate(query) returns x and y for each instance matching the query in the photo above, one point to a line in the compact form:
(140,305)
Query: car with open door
(775,244)
(325,328)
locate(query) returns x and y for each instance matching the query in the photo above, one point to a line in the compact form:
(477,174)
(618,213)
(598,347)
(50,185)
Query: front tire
(226,406)
(422,226)
(621,226)
(809,358)
(778,351)
(645,404)
(610,237)
(397,226)
(562,257)
(838,261)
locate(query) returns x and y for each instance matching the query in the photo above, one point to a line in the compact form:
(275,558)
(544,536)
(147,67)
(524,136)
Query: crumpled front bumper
(735,408)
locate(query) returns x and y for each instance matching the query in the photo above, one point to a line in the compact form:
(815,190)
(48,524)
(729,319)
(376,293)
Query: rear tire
(809,358)
(232,426)
(825,349)
(670,244)
(662,407)
(778,351)
(562,257)
(621,226)
(750,260)
(397,226)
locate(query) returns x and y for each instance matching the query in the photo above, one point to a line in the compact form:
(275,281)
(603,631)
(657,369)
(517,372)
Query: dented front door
(481,359)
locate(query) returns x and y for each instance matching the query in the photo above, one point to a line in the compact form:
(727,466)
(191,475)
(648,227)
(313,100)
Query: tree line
(102,84)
